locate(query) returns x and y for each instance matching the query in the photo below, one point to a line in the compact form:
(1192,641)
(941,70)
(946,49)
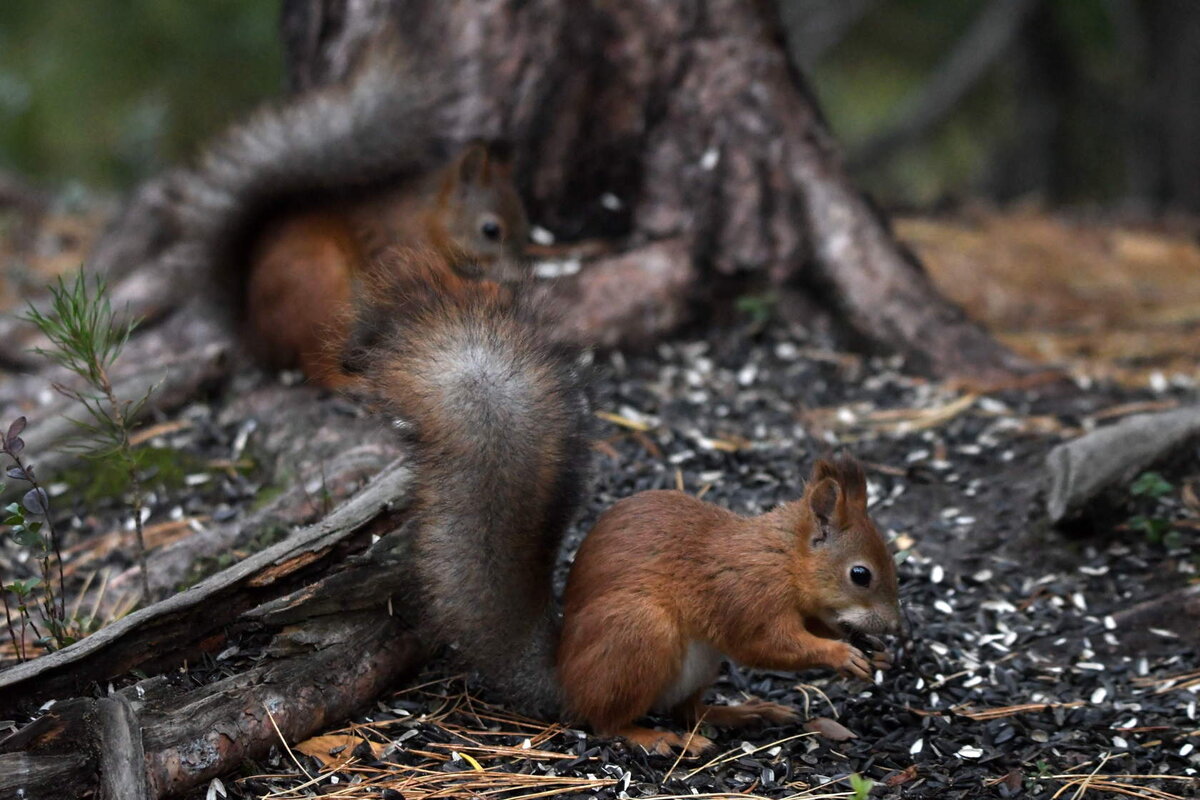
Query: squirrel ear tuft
(474,163)
(824,468)
(853,479)
(823,498)
(847,472)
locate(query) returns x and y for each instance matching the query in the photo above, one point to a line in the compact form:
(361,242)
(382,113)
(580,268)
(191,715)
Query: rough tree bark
(691,117)
(306,680)
(676,134)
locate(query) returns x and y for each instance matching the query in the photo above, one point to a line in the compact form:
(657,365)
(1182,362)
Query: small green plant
(31,525)
(1152,485)
(860,786)
(1154,528)
(87,338)
(24,593)
(757,307)
(1158,528)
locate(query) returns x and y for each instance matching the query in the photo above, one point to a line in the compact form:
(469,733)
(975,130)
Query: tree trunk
(677,135)
(680,132)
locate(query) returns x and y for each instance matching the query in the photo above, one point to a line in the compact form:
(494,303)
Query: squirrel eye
(491,230)
(860,575)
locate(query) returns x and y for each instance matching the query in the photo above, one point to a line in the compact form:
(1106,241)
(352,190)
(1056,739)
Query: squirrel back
(497,417)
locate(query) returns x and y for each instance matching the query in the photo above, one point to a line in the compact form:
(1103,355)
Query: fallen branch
(166,632)
(309,679)
(1083,468)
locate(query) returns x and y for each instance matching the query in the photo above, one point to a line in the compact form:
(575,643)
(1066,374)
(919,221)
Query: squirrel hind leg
(613,673)
(664,743)
(298,295)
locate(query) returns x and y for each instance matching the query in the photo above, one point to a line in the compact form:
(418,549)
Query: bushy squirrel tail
(498,417)
(377,127)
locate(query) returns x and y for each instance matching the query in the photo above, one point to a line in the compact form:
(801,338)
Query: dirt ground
(1020,679)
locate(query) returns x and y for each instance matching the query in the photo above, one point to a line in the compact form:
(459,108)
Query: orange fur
(299,292)
(665,585)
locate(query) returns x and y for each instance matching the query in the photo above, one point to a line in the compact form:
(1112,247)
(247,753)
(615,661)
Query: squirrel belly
(665,586)
(497,417)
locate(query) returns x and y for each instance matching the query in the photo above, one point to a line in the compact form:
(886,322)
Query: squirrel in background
(305,267)
(290,207)
(498,418)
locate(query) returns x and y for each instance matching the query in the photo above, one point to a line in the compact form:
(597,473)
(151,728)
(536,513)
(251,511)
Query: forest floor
(1020,678)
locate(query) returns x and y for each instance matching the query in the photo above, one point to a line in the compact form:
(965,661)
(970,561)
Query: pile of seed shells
(1015,681)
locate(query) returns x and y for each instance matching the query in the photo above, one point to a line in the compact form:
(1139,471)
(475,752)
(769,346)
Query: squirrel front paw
(875,649)
(851,662)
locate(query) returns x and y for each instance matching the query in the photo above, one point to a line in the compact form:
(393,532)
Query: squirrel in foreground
(288,208)
(666,586)
(663,587)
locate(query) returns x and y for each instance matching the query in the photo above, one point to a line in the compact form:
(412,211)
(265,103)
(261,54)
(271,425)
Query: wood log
(166,632)
(122,754)
(25,776)
(155,740)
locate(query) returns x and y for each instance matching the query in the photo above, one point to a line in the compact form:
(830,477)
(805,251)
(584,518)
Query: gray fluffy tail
(498,420)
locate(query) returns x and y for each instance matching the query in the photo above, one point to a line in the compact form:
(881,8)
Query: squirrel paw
(851,662)
(751,712)
(881,659)
(665,742)
(876,650)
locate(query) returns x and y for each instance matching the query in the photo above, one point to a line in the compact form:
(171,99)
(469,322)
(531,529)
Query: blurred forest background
(1055,102)
(1041,157)
(106,93)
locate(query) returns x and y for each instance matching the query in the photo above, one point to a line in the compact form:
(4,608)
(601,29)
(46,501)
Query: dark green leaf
(1151,484)
(36,501)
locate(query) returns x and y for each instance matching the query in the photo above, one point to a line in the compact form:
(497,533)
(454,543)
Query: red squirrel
(666,586)
(497,418)
(286,209)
